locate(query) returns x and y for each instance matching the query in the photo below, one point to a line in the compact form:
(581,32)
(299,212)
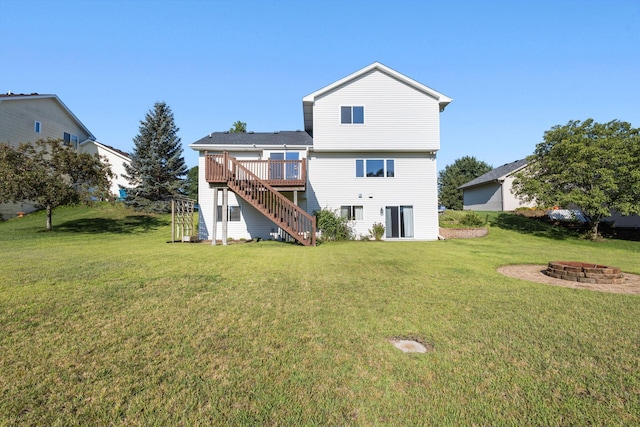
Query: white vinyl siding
(483,198)
(492,196)
(116,163)
(397,116)
(510,201)
(17,118)
(334,184)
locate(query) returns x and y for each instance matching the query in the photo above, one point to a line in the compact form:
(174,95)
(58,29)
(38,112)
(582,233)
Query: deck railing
(248,185)
(277,173)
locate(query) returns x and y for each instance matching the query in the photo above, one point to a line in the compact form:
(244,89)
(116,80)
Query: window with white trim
(352,114)
(352,212)
(37,127)
(233,213)
(375,168)
(398,221)
(70,140)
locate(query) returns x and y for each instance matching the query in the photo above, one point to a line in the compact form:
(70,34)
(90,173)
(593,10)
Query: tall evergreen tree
(157,165)
(191,183)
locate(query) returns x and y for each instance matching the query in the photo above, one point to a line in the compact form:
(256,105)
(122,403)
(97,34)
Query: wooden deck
(283,175)
(244,179)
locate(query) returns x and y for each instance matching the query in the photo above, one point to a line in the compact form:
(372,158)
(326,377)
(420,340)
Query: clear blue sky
(513,68)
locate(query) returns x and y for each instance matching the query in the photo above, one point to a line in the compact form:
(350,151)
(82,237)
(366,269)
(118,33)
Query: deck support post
(214,231)
(225,214)
(295,197)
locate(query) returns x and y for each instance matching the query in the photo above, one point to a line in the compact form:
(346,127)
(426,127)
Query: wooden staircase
(284,213)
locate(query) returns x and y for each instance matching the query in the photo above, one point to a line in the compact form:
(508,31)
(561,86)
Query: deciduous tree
(52,174)
(157,165)
(594,167)
(456,174)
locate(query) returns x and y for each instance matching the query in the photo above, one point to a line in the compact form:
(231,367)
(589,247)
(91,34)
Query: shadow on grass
(128,225)
(532,226)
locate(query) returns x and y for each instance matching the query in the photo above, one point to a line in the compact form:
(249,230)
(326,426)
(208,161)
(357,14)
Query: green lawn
(103,322)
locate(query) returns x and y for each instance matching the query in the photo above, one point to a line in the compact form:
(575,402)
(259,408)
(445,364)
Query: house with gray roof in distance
(492,191)
(25,118)
(368,151)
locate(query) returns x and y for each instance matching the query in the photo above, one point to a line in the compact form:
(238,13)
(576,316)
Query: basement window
(37,127)
(352,212)
(233,213)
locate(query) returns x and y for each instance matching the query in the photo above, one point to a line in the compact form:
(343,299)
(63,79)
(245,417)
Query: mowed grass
(102,322)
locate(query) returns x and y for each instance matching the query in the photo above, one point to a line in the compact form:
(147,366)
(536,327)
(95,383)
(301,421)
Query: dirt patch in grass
(535,273)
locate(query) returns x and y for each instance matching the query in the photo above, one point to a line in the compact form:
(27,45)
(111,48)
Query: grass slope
(103,322)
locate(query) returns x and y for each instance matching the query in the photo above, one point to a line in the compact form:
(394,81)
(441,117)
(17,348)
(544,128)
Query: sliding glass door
(399,221)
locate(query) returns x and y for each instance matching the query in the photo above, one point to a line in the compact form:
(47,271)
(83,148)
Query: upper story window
(352,115)
(375,168)
(71,140)
(37,127)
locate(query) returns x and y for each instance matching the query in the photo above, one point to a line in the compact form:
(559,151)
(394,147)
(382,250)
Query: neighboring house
(492,191)
(29,117)
(116,158)
(368,151)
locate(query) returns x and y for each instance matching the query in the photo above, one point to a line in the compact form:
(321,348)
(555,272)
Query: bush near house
(333,226)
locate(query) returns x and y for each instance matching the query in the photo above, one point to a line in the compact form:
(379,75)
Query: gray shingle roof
(495,174)
(292,138)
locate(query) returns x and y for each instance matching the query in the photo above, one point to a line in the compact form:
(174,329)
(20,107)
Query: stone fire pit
(584,272)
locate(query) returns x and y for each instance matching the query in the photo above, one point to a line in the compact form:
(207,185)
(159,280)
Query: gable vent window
(37,127)
(352,115)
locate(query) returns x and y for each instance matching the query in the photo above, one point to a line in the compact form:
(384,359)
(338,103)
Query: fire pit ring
(584,272)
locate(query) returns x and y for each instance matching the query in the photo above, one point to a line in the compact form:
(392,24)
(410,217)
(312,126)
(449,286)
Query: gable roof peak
(309,100)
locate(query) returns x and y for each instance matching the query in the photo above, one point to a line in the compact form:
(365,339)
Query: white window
(352,115)
(372,168)
(352,212)
(70,140)
(233,213)
(37,127)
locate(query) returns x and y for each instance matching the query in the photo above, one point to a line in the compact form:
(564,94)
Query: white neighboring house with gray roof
(33,116)
(368,150)
(492,191)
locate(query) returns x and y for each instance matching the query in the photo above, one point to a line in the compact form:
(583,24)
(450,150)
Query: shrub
(333,226)
(472,219)
(377,231)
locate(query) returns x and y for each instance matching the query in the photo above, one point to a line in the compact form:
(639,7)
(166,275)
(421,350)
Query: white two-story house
(368,150)
(28,117)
